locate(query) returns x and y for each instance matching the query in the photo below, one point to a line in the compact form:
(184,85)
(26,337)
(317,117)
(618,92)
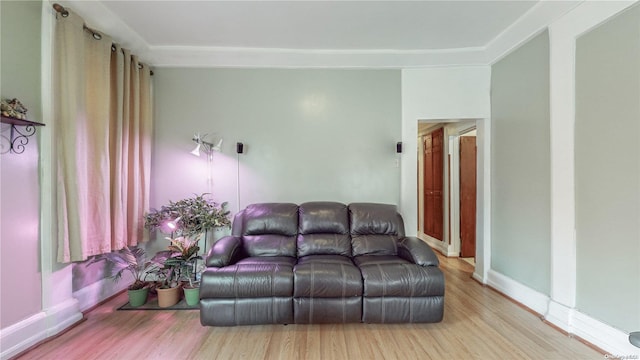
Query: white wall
(19,242)
(36,295)
(309,134)
(608,171)
(560,307)
(520,171)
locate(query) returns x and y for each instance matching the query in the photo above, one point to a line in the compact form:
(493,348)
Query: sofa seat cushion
(326,276)
(400,279)
(325,259)
(249,280)
(365,260)
(266,260)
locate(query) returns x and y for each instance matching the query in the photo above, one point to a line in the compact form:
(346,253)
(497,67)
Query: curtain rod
(96,34)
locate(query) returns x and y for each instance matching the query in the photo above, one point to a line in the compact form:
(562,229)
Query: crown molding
(99,17)
(533,22)
(537,19)
(185,56)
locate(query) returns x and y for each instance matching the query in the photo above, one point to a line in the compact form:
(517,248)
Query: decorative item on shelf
(15,114)
(135,262)
(13,108)
(207,147)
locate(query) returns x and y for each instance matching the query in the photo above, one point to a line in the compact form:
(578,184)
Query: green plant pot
(138,297)
(192,296)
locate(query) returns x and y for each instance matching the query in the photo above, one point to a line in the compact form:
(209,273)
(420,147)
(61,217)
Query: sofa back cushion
(323,229)
(375,229)
(270,229)
(236,227)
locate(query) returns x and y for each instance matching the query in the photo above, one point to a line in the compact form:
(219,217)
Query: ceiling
(338,25)
(314,33)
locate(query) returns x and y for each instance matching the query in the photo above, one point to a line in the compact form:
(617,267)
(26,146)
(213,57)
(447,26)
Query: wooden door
(468,196)
(433,183)
(438,183)
(427,179)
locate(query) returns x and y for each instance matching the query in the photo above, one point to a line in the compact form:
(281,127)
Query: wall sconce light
(204,146)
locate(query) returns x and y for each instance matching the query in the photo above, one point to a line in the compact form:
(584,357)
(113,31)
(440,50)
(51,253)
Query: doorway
(447,180)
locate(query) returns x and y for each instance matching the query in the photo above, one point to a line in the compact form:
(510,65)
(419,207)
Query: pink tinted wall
(20,280)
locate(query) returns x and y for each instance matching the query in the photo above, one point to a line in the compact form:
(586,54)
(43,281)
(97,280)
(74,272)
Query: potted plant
(135,262)
(184,261)
(188,218)
(167,285)
(192,290)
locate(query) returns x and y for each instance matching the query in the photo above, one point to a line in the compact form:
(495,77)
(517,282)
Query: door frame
(483,196)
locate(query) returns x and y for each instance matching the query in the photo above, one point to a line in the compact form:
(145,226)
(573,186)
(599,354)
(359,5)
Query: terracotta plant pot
(168,297)
(138,297)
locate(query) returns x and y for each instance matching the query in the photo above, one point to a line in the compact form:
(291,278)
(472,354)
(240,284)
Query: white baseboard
(97,292)
(478,278)
(610,339)
(21,336)
(440,246)
(607,338)
(29,332)
(530,298)
(560,315)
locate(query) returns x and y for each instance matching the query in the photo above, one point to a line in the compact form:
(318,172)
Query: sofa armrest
(417,251)
(224,252)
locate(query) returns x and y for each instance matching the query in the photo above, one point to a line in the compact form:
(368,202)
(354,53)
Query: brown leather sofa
(320,262)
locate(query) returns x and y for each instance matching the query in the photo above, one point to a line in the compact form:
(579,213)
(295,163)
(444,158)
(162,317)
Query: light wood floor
(479,323)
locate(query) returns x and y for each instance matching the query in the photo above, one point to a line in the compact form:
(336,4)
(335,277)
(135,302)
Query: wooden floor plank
(479,323)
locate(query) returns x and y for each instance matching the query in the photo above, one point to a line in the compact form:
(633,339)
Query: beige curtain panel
(102,130)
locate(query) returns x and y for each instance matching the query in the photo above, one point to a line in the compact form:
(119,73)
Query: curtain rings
(96,35)
(65,13)
(59,8)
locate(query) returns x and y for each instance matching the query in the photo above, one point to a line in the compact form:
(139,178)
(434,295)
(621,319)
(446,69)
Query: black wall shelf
(21,130)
